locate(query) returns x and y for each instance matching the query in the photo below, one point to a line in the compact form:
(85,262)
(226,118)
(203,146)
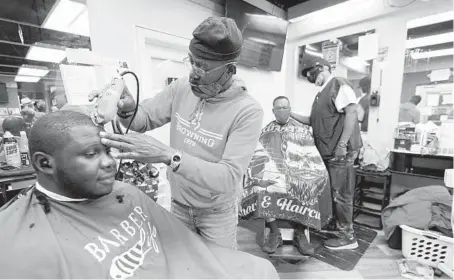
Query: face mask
(210,90)
(282,116)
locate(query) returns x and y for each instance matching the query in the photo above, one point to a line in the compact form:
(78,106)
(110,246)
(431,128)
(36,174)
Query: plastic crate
(427,247)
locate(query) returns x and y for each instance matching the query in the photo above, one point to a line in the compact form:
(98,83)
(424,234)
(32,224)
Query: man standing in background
(363,104)
(215,125)
(334,121)
(408,111)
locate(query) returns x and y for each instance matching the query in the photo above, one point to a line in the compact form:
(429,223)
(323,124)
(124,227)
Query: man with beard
(287,167)
(77,222)
(215,125)
(337,136)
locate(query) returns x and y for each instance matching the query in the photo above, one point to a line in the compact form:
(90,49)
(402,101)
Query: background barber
(215,126)
(337,136)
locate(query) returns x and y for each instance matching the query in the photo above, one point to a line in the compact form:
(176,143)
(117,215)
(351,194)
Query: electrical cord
(116,127)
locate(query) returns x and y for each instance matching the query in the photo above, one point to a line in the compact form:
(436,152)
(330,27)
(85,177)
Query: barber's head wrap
(217,38)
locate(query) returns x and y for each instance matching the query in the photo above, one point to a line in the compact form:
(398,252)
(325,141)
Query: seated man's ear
(43,162)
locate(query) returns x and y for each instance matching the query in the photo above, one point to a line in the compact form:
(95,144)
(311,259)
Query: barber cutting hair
(337,137)
(215,126)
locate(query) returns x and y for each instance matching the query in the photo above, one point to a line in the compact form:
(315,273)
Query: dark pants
(342,178)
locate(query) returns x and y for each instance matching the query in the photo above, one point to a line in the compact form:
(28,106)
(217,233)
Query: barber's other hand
(126,103)
(140,147)
(340,152)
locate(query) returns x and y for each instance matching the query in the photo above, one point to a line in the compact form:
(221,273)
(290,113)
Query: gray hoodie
(216,136)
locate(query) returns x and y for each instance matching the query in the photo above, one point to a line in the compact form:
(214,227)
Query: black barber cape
(121,235)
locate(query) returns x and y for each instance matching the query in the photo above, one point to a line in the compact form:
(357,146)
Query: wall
(390,24)
(113,34)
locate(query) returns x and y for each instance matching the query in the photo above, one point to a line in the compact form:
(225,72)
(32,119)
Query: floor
(379,261)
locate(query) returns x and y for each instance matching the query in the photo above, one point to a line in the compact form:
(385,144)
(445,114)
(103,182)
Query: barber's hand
(126,103)
(140,147)
(340,152)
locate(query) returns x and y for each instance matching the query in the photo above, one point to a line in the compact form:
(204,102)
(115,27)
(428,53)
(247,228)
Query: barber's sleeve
(154,112)
(226,175)
(345,97)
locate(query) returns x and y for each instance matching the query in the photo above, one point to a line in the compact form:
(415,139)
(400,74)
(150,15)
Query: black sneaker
(272,242)
(300,242)
(341,243)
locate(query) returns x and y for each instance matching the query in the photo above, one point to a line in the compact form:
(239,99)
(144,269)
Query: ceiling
(20,28)
(285,4)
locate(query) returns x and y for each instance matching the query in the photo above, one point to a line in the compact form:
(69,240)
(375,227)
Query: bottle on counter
(11,149)
(23,149)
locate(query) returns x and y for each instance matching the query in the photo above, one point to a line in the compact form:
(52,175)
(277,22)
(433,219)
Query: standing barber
(215,126)
(336,132)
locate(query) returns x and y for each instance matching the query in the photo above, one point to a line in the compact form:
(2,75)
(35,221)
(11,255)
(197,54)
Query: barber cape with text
(287,178)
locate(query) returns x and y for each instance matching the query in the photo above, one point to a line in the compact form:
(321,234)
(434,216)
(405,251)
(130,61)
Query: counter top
(420,154)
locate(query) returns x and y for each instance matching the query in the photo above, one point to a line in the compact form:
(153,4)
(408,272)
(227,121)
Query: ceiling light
(68,16)
(27,70)
(441,17)
(437,53)
(45,54)
(312,48)
(430,40)
(314,53)
(261,41)
(27,79)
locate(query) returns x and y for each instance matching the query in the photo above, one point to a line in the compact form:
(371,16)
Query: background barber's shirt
(121,235)
(345,96)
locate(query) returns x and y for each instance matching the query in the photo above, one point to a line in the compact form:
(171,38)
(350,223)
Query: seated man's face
(85,167)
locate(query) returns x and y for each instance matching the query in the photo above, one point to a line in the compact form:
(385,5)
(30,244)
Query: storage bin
(427,247)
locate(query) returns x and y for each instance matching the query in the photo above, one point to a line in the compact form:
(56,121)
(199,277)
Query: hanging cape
(121,235)
(287,178)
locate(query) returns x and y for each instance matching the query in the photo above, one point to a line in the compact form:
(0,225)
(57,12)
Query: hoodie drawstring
(196,115)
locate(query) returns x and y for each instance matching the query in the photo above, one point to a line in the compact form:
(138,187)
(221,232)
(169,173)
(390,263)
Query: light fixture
(437,53)
(27,79)
(68,16)
(28,70)
(441,17)
(261,41)
(310,47)
(42,53)
(314,53)
(430,40)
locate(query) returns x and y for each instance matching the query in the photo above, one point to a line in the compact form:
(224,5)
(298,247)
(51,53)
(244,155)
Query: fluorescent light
(27,79)
(261,41)
(437,53)
(430,40)
(68,16)
(310,47)
(336,12)
(45,54)
(26,70)
(314,53)
(441,17)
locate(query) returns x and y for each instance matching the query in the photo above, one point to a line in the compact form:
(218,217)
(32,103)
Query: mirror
(343,55)
(34,39)
(428,74)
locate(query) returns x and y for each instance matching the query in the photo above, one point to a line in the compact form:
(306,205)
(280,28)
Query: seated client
(78,222)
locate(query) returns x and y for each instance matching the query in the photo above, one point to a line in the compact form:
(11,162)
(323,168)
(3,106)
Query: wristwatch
(175,161)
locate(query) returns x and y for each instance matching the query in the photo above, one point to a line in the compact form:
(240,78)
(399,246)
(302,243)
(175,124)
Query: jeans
(217,224)
(342,177)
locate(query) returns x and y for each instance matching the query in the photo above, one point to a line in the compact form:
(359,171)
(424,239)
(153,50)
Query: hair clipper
(105,107)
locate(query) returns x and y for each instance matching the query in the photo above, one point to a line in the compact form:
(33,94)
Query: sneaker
(300,242)
(272,242)
(341,243)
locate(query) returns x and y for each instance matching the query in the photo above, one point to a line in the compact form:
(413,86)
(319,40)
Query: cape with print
(287,178)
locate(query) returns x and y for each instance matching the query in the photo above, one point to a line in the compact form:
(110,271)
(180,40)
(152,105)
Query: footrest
(288,252)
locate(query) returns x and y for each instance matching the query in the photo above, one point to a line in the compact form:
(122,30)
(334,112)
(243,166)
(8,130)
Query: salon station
(304,139)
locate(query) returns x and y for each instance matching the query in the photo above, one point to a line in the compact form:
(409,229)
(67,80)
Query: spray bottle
(106,104)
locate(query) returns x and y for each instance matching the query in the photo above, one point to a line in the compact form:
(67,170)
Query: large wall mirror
(428,73)
(343,55)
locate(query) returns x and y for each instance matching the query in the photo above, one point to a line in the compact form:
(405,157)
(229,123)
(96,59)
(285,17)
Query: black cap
(312,64)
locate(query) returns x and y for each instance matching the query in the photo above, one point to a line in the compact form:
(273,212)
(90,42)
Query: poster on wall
(330,51)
